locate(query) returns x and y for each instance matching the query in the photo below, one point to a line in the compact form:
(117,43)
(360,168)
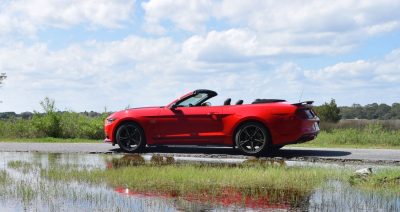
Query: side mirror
(173,106)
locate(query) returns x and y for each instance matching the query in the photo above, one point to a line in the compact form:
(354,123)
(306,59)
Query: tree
(3,76)
(370,110)
(329,112)
(383,111)
(395,111)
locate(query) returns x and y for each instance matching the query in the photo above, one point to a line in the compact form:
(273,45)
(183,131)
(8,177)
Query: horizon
(127,108)
(95,54)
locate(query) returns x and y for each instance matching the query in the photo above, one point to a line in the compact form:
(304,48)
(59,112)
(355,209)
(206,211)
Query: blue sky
(97,54)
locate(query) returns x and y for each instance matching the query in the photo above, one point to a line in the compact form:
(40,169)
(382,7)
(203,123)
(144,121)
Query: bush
(54,124)
(328,112)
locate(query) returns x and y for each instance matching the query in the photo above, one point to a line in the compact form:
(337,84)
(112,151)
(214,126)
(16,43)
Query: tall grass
(372,135)
(361,124)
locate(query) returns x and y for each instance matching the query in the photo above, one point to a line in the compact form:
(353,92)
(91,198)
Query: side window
(193,101)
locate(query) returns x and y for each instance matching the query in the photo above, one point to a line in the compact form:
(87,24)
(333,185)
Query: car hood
(136,111)
(138,108)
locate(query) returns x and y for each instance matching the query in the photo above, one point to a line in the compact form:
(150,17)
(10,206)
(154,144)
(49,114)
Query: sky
(111,54)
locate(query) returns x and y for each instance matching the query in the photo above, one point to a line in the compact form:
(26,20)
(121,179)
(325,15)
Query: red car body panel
(216,125)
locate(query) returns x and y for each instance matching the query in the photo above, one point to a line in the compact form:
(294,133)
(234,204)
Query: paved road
(371,155)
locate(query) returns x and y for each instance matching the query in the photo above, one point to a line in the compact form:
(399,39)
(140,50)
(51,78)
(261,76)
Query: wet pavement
(298,153)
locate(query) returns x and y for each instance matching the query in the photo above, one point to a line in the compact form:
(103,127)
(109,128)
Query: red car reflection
(229,197)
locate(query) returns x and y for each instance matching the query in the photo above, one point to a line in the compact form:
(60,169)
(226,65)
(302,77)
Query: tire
(130,137)
(252,138)
(275,148)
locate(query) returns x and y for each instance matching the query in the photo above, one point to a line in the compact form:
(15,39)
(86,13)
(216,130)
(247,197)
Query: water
(26,189)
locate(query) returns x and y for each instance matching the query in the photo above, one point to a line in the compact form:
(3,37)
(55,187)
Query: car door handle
(211,113)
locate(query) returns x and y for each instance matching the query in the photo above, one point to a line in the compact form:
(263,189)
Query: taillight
(305,113)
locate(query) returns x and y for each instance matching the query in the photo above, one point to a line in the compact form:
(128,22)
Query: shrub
(53,123)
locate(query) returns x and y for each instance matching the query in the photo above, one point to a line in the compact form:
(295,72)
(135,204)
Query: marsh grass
(370,136)
(26,191)
(202,180)
(361,124)
(25,167)
(4,178)
(385,181)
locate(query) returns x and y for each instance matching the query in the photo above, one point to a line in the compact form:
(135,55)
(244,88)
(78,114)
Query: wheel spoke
(260,141)
(123,137)
(255,132)
(252,146)
(247,133)
(134,132)
(241,143)
(135,141)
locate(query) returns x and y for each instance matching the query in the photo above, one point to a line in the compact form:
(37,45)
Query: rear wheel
(130,137)
(252,138)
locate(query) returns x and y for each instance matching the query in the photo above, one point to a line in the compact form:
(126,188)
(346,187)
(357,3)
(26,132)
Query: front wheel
(130,137)
(252,138)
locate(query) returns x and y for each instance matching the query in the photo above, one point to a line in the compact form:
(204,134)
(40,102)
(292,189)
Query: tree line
(29,115)
(327,112)
(330,112)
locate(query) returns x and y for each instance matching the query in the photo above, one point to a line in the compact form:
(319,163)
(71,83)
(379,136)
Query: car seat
(227,101)
(239,102)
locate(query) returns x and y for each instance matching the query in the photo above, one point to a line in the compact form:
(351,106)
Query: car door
(190,125)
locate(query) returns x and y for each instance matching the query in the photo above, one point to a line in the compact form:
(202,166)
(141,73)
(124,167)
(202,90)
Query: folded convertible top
(259,101)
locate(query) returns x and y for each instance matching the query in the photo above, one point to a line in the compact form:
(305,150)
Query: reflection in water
(23,188)
(231,198)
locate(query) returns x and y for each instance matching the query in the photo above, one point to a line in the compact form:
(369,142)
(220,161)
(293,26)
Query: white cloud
(29,16)
(242,45)
(278,16)
(188,15)
(276,27)
(137,72)
(238,59)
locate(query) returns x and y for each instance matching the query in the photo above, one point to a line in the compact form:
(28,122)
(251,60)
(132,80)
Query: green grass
(205,180)
(4,178)
(51,140)
(386,181)
(372,136)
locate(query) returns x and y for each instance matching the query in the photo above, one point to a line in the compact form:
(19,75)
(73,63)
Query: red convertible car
(265,124)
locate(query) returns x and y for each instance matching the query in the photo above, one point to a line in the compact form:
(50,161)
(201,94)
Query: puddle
(23,188)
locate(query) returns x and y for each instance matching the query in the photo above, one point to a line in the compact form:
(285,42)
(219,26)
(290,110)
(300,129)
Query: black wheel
(252,138)
(130,137)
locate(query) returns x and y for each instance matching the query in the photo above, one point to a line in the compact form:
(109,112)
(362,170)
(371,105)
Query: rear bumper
(306,137)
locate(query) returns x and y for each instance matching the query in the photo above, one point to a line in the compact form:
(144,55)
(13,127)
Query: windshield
(193,100)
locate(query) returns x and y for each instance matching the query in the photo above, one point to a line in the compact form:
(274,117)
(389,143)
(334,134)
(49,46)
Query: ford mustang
(254,128)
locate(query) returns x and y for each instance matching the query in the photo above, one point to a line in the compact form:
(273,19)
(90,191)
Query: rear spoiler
(305,103)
